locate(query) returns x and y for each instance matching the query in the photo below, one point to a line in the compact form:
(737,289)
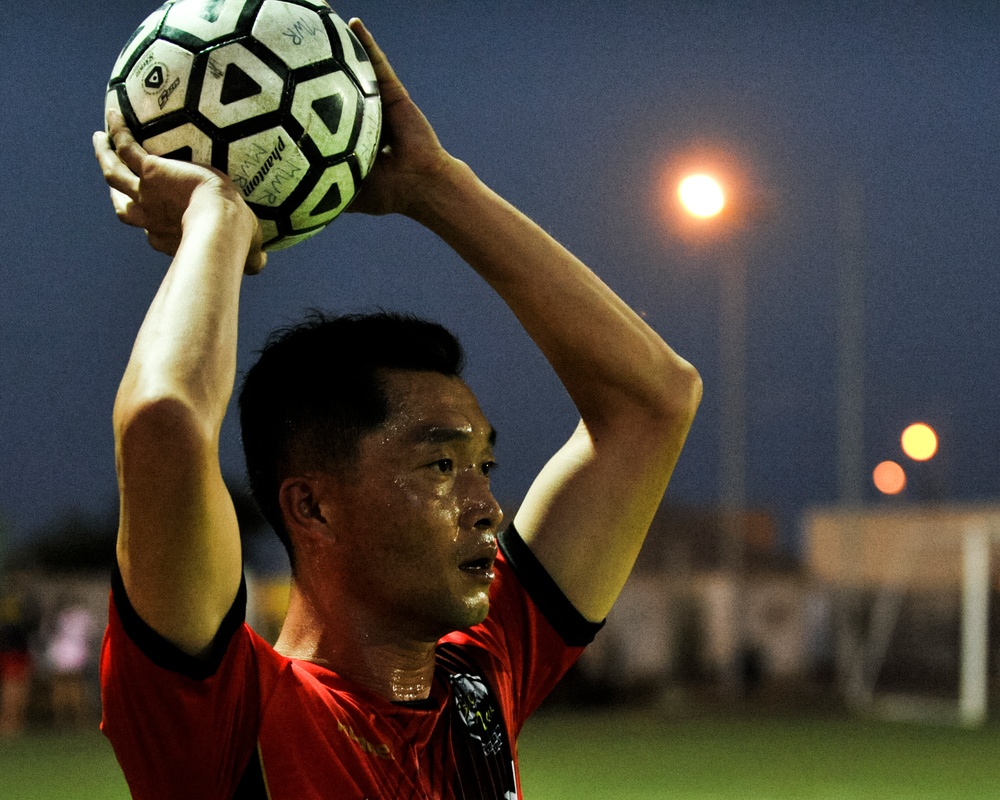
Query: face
(417,516)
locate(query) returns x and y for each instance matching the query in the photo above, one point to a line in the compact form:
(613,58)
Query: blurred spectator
(18,622)
(67,655)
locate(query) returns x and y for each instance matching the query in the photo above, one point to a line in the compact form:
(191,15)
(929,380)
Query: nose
(481,509)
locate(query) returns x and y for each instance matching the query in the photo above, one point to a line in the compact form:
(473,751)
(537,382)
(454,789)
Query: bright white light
(701,195)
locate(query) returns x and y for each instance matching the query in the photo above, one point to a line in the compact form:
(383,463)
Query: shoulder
(127,630)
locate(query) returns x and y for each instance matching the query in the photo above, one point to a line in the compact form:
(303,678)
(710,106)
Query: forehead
(429,406)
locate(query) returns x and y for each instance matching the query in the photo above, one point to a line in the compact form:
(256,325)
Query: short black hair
(318,387)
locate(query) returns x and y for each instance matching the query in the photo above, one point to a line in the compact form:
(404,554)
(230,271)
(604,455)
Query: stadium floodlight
(701,195)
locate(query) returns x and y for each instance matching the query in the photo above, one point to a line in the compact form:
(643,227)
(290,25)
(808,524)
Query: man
(412,652)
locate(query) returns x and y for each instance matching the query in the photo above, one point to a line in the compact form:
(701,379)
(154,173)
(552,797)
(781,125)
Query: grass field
(641,756)
(645,757)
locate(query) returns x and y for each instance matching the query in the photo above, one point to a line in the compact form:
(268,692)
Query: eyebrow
(437,434)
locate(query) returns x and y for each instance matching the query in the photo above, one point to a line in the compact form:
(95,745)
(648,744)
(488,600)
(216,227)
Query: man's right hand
(157,194)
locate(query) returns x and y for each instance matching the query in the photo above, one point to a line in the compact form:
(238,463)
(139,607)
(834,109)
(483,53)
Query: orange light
(919,441)
(889,477)
(701,195)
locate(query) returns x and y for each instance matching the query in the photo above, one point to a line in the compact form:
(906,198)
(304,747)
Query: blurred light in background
(919,441)
(889,477)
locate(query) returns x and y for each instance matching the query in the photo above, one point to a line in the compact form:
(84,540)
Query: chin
(471,614)
(459,616)
(479,613)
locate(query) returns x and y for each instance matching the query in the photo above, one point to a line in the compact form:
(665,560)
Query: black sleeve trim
(164,653)
(570,624)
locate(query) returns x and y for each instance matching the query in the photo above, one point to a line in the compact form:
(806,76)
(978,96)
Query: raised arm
(178,540)
(587,513)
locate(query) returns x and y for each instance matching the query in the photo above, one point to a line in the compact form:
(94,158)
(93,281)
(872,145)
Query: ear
(302,500)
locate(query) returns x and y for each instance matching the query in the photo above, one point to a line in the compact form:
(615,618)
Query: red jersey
(250,723)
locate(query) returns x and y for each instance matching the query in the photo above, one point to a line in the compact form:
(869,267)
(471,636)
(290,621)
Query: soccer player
(413,651)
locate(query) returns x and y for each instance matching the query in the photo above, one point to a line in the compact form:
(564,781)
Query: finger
(127,210)
(126,147)
(116,174)
(389,85)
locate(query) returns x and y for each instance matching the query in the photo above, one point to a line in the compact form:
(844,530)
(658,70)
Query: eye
(443,465)
(488,467)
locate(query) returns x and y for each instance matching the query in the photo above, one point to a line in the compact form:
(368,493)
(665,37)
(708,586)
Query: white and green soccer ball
(278,94)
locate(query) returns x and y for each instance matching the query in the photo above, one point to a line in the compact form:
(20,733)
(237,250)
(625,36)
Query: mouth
(481,568)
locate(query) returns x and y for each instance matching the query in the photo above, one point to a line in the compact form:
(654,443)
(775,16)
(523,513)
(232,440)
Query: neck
(356,647)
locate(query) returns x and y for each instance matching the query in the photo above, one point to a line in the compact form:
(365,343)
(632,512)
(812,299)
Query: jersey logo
(483,761)
(478,711)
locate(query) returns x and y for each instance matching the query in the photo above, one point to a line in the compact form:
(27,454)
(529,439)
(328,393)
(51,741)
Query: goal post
(914,587)
(973,695)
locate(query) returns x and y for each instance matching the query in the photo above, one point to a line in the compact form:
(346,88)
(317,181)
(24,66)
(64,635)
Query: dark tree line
(77,541)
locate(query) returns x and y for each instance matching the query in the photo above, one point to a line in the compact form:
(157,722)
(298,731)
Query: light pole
(704,198)
(849,610)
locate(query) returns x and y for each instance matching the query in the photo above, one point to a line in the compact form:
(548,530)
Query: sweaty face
(420,521)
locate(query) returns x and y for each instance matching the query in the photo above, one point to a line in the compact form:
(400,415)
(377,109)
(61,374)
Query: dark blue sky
(572,110)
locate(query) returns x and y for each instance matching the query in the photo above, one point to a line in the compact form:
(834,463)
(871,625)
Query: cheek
(431,498)
(422,519)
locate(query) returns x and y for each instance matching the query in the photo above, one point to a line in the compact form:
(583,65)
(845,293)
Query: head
(371,457)
(320,386)
(407,540)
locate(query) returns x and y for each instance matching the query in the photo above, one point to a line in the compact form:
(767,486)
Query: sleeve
(573,628)
(532,635)
(164,711)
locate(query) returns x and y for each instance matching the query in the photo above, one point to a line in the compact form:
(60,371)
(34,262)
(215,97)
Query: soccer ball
(278,94)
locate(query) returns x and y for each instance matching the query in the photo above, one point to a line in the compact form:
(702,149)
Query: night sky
(574,111)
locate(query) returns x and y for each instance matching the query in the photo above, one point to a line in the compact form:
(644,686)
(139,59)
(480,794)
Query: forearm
(186,348)
(608,359)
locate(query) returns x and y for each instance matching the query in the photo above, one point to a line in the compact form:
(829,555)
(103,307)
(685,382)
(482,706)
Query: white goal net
(915,624)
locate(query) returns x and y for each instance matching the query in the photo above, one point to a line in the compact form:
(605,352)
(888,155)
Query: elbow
(677,395)
(660,426)
(158,429)
(660,401)
(689,390)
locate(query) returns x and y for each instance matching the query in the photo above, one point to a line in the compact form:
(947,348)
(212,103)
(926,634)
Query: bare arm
(178,540)
(587,513)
